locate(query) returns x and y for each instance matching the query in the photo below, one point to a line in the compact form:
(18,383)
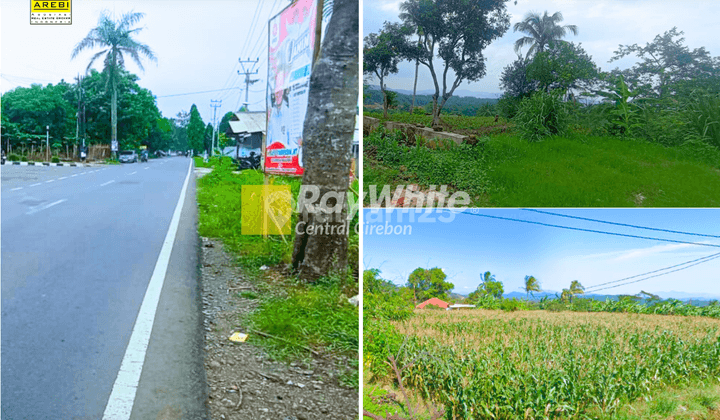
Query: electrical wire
(621,224)
(657,275)
(194,93)
(712,256)
(592,230)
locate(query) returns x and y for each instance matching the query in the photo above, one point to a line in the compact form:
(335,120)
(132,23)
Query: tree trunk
(113,115)
(328,134)
(417,64)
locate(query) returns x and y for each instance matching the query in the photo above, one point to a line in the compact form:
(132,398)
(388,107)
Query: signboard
(114,145)
(50,12)
(291,44)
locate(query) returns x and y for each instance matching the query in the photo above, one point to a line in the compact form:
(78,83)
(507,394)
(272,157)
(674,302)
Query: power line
(712,256)
(195,93)
(657,275)
(621,224)
(592,230)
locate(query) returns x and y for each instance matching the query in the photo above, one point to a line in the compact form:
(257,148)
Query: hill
(458,105)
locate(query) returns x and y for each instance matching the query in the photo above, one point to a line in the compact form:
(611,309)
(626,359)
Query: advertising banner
(291,49)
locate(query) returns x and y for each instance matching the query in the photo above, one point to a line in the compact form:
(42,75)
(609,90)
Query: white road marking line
(147,167)
(36,209)
(133,173)
(122,397)
(107,183)
(63,177)
(73,175)
(18,188)
(35,185)
(52,180)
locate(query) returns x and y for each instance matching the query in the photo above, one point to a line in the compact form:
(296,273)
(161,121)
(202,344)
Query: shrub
(55,159)
(512,305)
(24,159)
(14,158)
(541,115)
(508,106)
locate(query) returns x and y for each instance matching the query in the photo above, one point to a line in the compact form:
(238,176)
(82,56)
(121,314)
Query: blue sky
(197,45)
(602,25)
(470,245)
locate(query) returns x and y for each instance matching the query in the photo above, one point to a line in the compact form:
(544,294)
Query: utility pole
(247,72)
(215,104)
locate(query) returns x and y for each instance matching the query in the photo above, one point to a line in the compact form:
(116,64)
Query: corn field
(483,364)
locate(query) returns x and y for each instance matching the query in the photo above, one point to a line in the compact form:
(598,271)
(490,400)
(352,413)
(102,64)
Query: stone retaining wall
(370,124)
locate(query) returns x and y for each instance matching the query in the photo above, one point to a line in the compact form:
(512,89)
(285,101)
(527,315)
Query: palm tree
(576,288)
(531,285)
(115,39)
(543,30)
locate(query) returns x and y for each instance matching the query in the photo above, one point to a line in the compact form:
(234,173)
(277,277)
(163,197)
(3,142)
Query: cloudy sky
(469,245)
(197,44)
(602,24)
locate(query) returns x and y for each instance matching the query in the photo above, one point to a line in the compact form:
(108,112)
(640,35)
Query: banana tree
(624,116)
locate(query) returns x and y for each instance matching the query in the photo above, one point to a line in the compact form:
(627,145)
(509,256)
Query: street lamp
(47,143)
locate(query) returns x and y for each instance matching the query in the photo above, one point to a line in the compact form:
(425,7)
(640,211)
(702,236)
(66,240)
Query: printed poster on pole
(292,46)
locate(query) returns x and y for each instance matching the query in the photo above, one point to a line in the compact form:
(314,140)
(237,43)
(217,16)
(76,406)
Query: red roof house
(433,301)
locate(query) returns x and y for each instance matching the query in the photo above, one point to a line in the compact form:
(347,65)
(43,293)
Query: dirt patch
(243,381)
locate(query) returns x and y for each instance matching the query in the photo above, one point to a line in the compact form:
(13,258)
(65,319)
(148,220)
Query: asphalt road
(79,246)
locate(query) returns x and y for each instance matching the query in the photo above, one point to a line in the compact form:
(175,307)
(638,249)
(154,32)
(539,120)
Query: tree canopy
(430,283)
(382,52)
(543,30)
(457,31)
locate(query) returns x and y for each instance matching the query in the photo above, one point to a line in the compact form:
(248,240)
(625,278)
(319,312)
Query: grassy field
(577,170)
(482,364)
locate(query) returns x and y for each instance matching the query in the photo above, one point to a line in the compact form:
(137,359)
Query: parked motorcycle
(143,157)
(249,162)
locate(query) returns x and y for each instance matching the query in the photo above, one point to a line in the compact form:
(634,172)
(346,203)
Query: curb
(47,164)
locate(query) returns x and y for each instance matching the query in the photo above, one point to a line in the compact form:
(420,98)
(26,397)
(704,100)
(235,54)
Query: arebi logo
(51,12)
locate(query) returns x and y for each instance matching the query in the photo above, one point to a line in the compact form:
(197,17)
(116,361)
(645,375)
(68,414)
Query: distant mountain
(460,92)
(682,296)
(688,296)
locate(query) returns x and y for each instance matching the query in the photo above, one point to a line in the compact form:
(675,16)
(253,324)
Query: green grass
(571,171)
(597,172)
(316,316)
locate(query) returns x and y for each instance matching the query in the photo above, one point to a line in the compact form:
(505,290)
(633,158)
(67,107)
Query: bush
(24,159)
(14,158)
(508,106)
(541,115)
(512,305)
(55,159)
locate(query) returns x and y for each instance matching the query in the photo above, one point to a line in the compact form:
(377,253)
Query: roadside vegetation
(300,319)
(557,358)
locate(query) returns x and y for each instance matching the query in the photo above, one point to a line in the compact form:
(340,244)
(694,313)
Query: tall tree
(543,30)
(488,287)
(327,146)
(115,38)
(531,285)
(430,283)
(458,31)
(195,130)
(666,61)
(382,53)
(576,288)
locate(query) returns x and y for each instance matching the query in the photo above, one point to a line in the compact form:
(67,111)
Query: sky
(468,245)
(197,45)
(602,25)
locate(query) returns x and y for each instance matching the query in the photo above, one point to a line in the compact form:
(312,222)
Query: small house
(433,301)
